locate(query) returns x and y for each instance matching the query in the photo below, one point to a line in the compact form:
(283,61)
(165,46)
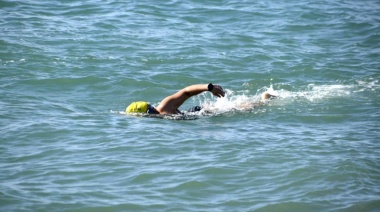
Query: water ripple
(68,69)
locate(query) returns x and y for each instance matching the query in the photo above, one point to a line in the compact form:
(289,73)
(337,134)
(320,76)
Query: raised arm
(170,104)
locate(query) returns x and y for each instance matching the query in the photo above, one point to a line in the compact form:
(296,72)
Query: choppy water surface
(68,69)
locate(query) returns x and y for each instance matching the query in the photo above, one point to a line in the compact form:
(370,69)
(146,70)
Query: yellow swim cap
(137,107)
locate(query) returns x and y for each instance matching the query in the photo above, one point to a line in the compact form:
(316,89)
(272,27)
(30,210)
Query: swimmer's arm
(197,89)
(171,103)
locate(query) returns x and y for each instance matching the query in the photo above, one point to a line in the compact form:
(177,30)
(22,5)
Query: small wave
(183,116)
(316,92)
(370,85)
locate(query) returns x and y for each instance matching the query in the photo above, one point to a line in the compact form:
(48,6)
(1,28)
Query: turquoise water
(68,69)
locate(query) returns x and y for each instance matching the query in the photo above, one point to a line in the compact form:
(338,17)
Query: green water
(68,69)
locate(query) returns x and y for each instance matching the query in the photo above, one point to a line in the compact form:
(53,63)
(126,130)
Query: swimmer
(171,104)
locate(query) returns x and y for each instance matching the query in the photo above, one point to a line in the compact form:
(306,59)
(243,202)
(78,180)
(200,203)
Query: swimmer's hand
(218,91)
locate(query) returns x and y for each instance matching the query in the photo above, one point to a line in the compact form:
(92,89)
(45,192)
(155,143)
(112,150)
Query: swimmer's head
(141,107)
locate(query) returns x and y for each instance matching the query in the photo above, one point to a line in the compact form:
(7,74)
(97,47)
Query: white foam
(231,102)
(240,101)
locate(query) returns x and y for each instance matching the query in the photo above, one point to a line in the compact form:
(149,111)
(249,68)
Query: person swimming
(171,104)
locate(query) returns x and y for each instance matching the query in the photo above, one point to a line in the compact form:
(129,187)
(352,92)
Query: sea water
(68,69)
